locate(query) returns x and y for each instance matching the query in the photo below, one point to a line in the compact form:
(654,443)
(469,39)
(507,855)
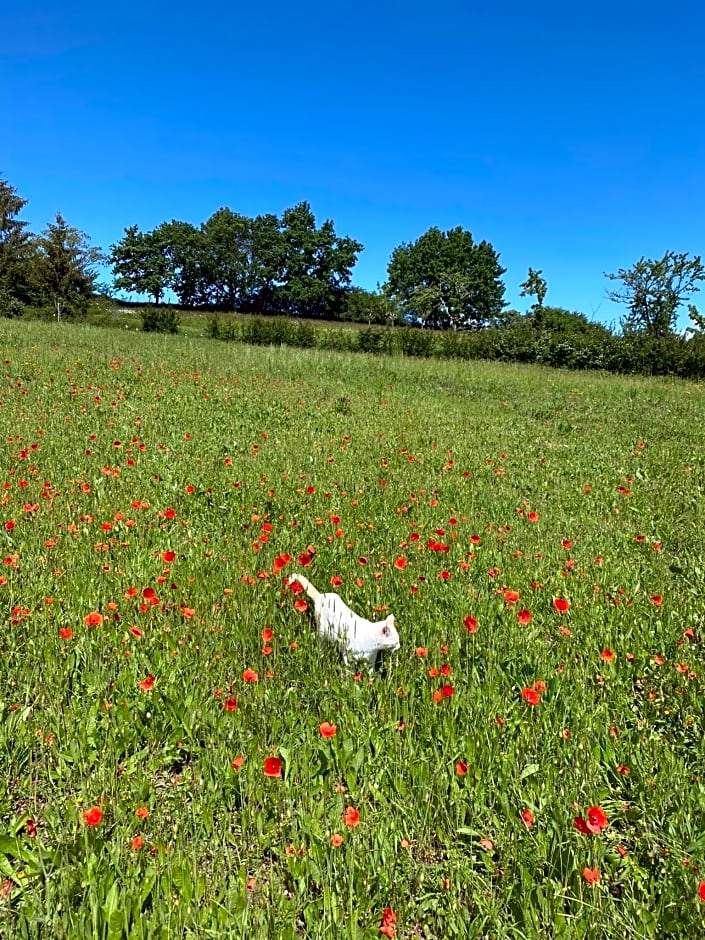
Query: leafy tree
(654,290)
(64,267)
(446,280)
(141,264)
(363,306)
(560,320)
(227,267)
(316,264)
(534,286)
(182,246)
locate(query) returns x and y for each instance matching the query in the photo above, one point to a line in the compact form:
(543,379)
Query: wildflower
(300,605)
(249,675)
(656,599)
(141,812)
(327,730)
(65,633)
(147,684)
(94,619)
(591,875)
(230,704)
(524,617)
(400,563)
(561,604)
(531,696)
(607,656)
(351,817)
(511,597)
(461,768)
(470,624)
(93,816)
(168,557)
(596,820)
(237,762)
(701,890)
(137,843)
(272,767)
(527,817)
(389,919)
(336,840)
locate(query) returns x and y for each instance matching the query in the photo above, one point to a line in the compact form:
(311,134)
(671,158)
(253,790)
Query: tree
(446,280)
(15,248)
(64,268)
(141,264)
(182,247)
(227,259)
(534,285)
(654,290)
(316,264)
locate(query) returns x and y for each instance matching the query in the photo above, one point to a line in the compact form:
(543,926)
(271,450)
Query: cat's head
(387,636)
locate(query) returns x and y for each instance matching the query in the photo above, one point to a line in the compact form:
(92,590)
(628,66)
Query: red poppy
(581,825)
(656,599)
(533,516)
(607,656)
(701,890)
(596,820)
(65,633)
(93,816)
(267,634)
(300,605)
(168,556)
(591,875)
(566,543)
(531,696)
(528,818)
(511,597)
(327,730)
(461,768)
(471,624)
(336,580)
(305,559)
(447,690)
(142,812)
(137,843)
(336,840)
(524,617)
(389,919)
(561,604)
(249,675)
(400,563)
(280,562)
(136,632)
(421,651)
(272,767)
(237,762)
(230,704)
(94,619)
(147,684)
(540,685)
(351,817)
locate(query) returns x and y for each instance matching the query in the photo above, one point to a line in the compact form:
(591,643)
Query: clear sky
(571,136)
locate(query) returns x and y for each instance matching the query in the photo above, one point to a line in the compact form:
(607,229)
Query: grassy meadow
(181,757)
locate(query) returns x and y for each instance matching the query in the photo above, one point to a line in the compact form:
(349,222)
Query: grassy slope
(391,448)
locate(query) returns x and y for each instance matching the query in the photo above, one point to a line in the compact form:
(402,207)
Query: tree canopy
(654,290)
(445,279)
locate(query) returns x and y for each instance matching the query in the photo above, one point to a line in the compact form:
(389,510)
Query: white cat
(357,637)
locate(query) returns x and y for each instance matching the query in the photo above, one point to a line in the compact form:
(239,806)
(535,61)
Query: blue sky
(570,136)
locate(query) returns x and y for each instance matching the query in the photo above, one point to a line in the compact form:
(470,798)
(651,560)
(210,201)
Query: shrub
(416,342)
(160,320)
(375,341)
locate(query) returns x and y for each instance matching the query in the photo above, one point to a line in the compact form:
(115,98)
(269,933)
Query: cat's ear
(387,626)
(390,620)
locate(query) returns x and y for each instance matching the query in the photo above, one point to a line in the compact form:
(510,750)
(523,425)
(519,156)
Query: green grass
(117,447)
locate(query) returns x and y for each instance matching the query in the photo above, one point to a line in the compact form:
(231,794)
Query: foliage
(444,279)
(534,286)
(140,263)
(15,251)
(527,765)
(160,320)
(63,270)
(654,290)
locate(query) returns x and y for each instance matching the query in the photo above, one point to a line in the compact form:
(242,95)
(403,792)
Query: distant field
(528,765)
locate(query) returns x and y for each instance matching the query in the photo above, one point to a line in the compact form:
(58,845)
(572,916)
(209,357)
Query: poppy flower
(533,516)
(272,767)
(389,919)
(607,656)
(531,696)
(561,604)
(336,580)
(168,556)
(300,605)
(93,816)
(400,563)
(527,817)
(141,812)
(470,624)
(656,599)
(280,562)
(336,840)
(701,890)
(94,619)
(461,768)
(230,704)
(137,843)
(351,817)
(237,762)
(65,633)
(524,617)
(147,684)
(511,597)
(305,559)
(447,690)
(327,730)
(249,675)
(596,820)
(591,875)
(581,826)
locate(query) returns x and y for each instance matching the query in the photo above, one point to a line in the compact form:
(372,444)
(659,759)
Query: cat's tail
(306,585)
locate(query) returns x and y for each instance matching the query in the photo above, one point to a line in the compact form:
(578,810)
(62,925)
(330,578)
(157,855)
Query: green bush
(374,341)
(160,320)
(416,342)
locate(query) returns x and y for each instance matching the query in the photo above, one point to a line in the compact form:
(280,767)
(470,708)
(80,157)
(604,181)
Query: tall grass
(538,536)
